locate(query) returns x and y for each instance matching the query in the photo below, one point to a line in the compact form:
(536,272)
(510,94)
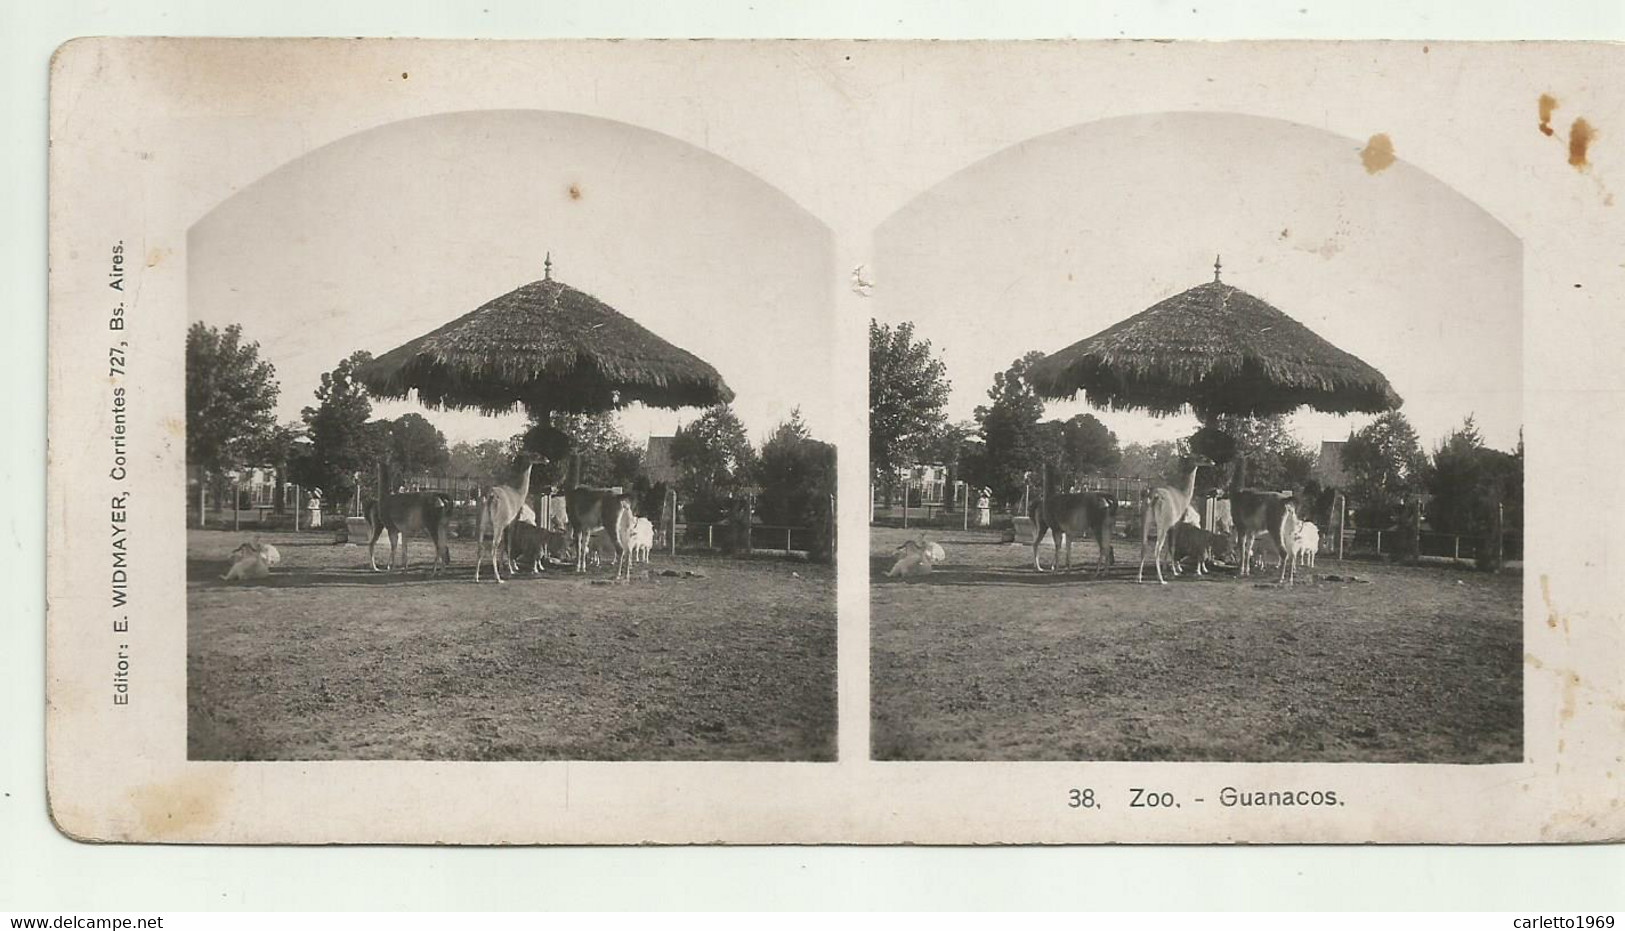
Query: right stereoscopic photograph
(1196,437)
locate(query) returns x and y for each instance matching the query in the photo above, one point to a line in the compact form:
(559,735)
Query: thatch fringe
(1219,350)
(546,346)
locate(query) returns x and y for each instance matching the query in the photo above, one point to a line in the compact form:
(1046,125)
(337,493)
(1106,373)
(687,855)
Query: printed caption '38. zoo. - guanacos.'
(1228,797)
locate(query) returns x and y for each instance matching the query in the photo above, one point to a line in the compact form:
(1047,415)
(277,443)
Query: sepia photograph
(456,424)
(496,449)
(1197,437)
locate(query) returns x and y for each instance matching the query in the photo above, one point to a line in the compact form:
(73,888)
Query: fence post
(1379,543)
(787,541)
(1500,536)
(672,540)
(202,502)
(236,499)
(905,505)
(710,542)
(1342,522)
(1458,547)
(830,526)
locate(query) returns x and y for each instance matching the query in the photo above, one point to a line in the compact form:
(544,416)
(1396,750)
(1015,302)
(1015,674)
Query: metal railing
(720,536)
(1429,544)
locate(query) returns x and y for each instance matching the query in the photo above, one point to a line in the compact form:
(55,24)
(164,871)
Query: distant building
(255,487)
(657,460)
(927,482)
(1328,470)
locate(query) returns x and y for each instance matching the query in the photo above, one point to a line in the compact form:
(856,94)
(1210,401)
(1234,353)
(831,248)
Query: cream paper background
(149,135)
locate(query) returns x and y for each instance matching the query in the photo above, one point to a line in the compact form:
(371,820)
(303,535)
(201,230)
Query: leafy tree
(1297,465)
(486,462)
(1386,466)
(957,452)
(797,474)
(1088,446)
(231,398)
(1074,448)
(277,448)
(1016,444)
(609,458)
(626,467)
(415,446)
(1474,490)
(1012,441)
(1153,462)
(1271,455)
(1049,451)
(714,462)
(908,393)
(342,444)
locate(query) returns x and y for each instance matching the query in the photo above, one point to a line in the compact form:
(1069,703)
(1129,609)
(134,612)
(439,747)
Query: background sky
(383,236)
(1057,238)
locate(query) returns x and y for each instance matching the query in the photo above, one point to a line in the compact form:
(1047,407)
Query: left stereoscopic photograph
(507,439)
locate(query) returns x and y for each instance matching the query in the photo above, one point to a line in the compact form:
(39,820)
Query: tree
(1049,452)
(1012,441)
(908,393)
(342,444)
(1273,457)
(626,467)
(1153,462)
(414,446)
(1386,466)
(797,474)
(277,448)
(231,398)
(609,458)
(487,461)
(957,452)
(1474,490)
(1075,448)
(1088,446)
(714,463)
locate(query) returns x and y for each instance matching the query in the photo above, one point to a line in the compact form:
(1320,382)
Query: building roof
(657,460)
(1329,465)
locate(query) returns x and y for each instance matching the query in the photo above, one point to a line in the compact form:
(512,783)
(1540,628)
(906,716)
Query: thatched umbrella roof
(1218,349)
(549,347)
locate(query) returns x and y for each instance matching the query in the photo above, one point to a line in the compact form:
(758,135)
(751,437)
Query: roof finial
(547,267)
(1215,268)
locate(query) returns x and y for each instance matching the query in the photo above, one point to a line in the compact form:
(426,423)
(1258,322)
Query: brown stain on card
(181,808)
(1548,103)
(1580,135)
(1571,689)
(1546,596)
(575,192)
(1378,153)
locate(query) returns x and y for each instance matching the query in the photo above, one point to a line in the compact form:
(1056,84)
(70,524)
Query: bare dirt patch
(328,660)
(986,659)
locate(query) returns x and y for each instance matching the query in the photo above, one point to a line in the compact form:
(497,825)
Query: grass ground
(986,659)
(328,660)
